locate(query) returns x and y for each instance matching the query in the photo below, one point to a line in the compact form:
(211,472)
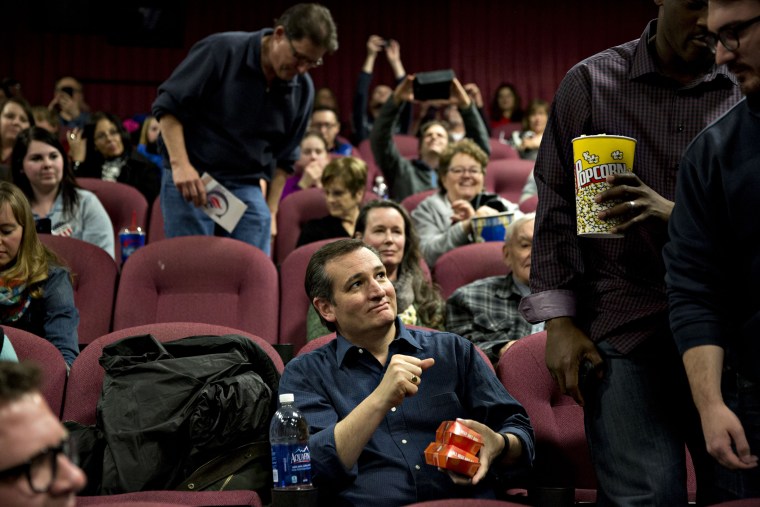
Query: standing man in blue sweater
(237,107)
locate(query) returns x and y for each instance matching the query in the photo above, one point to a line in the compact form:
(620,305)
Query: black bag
(247,467)
(168,408)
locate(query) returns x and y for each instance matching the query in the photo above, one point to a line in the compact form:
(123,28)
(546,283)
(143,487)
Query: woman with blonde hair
(147,145)
(36,294)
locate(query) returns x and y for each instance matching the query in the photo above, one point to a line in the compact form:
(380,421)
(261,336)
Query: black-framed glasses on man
(303,59)
(41,470)
(729,35)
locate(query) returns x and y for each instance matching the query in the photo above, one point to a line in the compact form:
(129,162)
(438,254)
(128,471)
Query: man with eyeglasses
(325,120)
(712,257)
(604,301)
(404,176)
(237,108)
(35,465)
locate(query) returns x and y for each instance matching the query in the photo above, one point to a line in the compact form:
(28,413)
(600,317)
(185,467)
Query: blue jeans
(742,396)
(638,419)
(182,218)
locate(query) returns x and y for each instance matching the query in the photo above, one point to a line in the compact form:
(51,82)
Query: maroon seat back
(294,211)
(504,132)
(86,375)
(467,263)
(507,177)
(500,150)
(412,201)
(174,498)
(29,346)
(120,201)
(293,299)
(562,454)
(207,279)
(156,222)
(95,277)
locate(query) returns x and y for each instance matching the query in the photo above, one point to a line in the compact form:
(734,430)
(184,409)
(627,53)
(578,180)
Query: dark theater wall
(122,57)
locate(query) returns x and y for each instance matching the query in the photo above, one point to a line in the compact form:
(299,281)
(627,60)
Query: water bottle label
(291,465)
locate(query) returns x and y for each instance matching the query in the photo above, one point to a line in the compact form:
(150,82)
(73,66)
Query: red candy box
(459,435)
(455,448)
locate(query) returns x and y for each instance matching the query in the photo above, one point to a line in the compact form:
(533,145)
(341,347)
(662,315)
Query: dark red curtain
(530,43)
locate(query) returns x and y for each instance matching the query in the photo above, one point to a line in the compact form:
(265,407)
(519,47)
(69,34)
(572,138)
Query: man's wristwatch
(506,445)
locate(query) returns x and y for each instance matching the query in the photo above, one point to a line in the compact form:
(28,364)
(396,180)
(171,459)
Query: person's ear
(505,252)
(358,235)
(325,309)
(279,31)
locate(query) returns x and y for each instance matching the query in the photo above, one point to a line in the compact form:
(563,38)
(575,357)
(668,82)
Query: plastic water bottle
(131,238)
(380,188)
(289,437)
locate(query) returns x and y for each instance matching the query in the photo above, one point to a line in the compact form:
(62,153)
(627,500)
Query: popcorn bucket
(491,228)
(597,157)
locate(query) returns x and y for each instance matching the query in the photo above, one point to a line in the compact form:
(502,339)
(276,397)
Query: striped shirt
(614,288)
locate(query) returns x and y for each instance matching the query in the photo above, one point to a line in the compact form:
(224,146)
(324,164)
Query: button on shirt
(331,381)
(615,288)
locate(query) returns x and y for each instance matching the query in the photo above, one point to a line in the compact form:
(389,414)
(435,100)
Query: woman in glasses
(444,219)
(104,150)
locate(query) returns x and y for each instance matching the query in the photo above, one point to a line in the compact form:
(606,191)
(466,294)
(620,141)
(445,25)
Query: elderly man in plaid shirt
(485,311)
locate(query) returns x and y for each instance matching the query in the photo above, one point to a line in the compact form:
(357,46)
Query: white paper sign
(221,204)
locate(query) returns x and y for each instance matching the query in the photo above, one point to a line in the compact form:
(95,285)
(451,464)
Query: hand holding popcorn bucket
(597,157)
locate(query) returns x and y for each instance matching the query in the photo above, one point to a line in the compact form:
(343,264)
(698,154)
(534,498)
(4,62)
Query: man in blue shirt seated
(375,396)
(325,120)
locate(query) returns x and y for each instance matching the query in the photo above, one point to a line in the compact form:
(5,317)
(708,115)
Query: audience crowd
(604,302)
